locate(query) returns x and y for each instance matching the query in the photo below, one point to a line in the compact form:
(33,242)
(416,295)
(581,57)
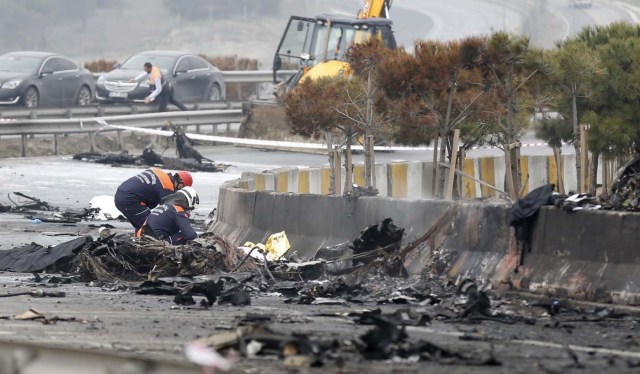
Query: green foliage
(554,130)
(609,135)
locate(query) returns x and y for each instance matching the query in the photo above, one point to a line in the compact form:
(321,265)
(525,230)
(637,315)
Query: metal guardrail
(254,76)
(103,110)
(238,76)
(245,76)
(91,125)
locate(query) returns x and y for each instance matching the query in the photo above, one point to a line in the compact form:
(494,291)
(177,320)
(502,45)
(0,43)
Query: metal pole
(56,148)
(23,144)
(483,183)
(92,142)
(120,140)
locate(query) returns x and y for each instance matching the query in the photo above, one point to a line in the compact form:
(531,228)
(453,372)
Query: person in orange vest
(137,195)
(160,89)
(169,221)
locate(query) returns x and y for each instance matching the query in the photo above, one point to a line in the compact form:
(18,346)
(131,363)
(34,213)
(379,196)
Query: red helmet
(185,178)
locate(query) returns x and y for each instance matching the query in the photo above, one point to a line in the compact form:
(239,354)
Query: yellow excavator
(316,48)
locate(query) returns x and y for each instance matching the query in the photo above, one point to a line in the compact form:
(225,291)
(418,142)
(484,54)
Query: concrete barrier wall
(414,179)
(589,254)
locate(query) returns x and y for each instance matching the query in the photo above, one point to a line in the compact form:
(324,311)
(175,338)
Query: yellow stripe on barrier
(303,181)
(244,184)
(468,185)
(488,175)
(282,181)
(524,169)
(325,184)
(399,180)
(552,170)
(358,175)
(260,182)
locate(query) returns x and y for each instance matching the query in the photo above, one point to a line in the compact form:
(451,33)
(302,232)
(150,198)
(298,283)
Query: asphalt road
(115,319)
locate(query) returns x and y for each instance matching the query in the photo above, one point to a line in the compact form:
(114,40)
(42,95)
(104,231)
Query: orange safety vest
(155,74)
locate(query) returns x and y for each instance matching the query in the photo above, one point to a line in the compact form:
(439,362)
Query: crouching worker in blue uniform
(170,220)
(139,194)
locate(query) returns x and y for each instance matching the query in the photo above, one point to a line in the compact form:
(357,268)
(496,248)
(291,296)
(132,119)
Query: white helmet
(192,196)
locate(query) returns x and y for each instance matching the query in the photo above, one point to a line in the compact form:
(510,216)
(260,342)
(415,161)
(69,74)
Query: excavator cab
(316,47)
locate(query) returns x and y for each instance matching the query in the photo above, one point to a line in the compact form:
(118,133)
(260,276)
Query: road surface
(115,319)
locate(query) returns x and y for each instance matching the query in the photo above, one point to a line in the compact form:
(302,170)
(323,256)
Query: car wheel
(84,96)
(215,94)
(31,98)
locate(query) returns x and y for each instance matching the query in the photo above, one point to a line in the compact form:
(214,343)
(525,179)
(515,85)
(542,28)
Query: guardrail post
(56,150)
(197,129)
(23,145)
(134,109)
(100,111)
(68,114)
(92,142)
(228,124)
(120,144)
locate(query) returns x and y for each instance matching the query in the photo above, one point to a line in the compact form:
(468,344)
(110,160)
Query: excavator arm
(375,9)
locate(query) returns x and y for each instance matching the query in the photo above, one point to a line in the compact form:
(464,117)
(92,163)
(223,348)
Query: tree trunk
(367,133)
(557,153)
(444,142)
(348,166)
(332,178)
(442,170)
(512,136)
(576,139)
(593,185)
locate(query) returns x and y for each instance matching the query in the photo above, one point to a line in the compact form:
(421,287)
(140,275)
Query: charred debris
(361,282)
(189,158)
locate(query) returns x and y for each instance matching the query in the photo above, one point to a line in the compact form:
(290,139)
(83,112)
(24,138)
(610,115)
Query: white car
(580,3)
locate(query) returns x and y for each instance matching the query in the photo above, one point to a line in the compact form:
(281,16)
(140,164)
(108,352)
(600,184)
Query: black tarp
(524,213)
(35,258)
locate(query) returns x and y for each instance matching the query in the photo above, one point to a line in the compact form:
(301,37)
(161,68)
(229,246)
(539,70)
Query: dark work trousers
(134,211)
(166,97)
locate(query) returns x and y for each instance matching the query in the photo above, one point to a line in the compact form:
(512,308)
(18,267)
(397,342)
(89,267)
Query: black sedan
(43,79)
(191,76)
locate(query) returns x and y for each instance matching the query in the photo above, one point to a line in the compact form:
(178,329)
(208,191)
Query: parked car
(191,76)
(580,3)
(43,79)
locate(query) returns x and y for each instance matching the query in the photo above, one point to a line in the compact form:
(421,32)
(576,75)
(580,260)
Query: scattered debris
(149,158)
(36,293)
(184,145)
(106,207)
(34,315)
(188,157)
(32,204)
(29,315)
(202,355)
(625,191)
